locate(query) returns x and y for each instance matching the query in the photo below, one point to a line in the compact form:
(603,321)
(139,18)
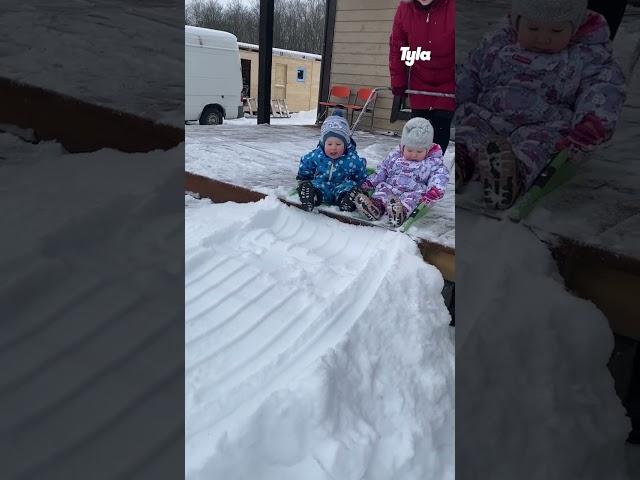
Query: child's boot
(498,174)
(347,200)
(397,212)
(308,195)
(464,167)
(367,207)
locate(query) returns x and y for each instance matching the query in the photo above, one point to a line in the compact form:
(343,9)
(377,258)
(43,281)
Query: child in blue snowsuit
(332,171)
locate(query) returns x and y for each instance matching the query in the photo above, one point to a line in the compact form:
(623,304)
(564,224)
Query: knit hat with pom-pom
(336,126)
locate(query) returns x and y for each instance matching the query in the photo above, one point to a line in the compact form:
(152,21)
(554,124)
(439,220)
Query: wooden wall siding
(361,51)
(300,96)
(315,86)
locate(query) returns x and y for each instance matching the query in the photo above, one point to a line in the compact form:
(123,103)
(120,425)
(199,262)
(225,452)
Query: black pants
(449,295)
(632,402)
(441,121)
(611,10)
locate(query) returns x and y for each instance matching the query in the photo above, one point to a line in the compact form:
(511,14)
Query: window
(300,74)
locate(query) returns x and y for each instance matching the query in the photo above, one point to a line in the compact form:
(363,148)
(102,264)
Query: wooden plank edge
(81,126)
(611,282)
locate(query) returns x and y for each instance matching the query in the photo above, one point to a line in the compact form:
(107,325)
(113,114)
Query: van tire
(211,116)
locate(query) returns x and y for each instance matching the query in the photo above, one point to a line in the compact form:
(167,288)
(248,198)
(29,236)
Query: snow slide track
(268,341)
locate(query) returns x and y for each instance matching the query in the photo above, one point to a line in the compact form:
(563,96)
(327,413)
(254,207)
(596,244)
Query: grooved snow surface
(314,349)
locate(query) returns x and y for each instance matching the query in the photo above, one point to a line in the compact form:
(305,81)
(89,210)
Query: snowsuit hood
(593,31)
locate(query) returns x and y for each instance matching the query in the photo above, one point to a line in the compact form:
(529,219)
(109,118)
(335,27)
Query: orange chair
(363,95)
(339,92)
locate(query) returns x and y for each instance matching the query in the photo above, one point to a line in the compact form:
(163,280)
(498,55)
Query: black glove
(398,91)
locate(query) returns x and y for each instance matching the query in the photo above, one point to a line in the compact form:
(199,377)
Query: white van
(212,76)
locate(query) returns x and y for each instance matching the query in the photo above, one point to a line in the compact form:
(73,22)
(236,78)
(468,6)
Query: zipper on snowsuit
(330,171)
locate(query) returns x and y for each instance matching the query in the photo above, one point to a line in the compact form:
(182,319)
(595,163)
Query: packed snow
(281,51)
(296,118)
(55,45)
(314,350)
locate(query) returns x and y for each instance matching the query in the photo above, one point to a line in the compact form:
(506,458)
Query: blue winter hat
(336,126)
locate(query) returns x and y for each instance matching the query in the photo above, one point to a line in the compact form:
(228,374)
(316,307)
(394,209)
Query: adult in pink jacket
(429,25)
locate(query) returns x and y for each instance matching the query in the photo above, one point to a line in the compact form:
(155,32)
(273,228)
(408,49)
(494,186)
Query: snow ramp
(314,349)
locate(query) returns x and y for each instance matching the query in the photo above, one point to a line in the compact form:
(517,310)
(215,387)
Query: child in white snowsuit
(332,171)
(411,174)
(544,81)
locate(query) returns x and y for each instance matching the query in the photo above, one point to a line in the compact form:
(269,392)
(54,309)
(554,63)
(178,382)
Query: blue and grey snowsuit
(332,177)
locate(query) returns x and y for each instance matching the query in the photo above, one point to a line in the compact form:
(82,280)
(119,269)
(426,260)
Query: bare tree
(298,24)
(203,13)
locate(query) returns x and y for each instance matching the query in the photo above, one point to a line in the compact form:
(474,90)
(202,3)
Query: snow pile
(314,349)
(537,399)
(297,118)
(91,269)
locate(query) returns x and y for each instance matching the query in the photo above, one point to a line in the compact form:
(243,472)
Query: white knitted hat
(573,11)
(417,133)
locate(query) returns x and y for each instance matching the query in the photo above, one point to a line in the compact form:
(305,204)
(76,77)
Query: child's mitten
(432,195)
(584,137)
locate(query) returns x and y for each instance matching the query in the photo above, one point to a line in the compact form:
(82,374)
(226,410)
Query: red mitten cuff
(432,195)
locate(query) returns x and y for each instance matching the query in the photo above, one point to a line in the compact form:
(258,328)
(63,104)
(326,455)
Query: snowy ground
(536,398)
(57,45)
(76,306)
(315,350)
(297,118)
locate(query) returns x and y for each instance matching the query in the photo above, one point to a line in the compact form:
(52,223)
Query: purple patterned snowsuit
(535,99)
(408,179)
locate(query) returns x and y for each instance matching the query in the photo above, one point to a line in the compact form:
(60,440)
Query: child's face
(544,37)
(415,154)
(333,147)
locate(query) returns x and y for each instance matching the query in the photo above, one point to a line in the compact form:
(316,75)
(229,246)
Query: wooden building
(358,49)
(295,76)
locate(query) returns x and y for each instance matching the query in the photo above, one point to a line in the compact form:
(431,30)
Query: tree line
(297,24)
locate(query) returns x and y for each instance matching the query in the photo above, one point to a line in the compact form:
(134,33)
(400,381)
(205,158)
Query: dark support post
(264,61)
(327,49)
